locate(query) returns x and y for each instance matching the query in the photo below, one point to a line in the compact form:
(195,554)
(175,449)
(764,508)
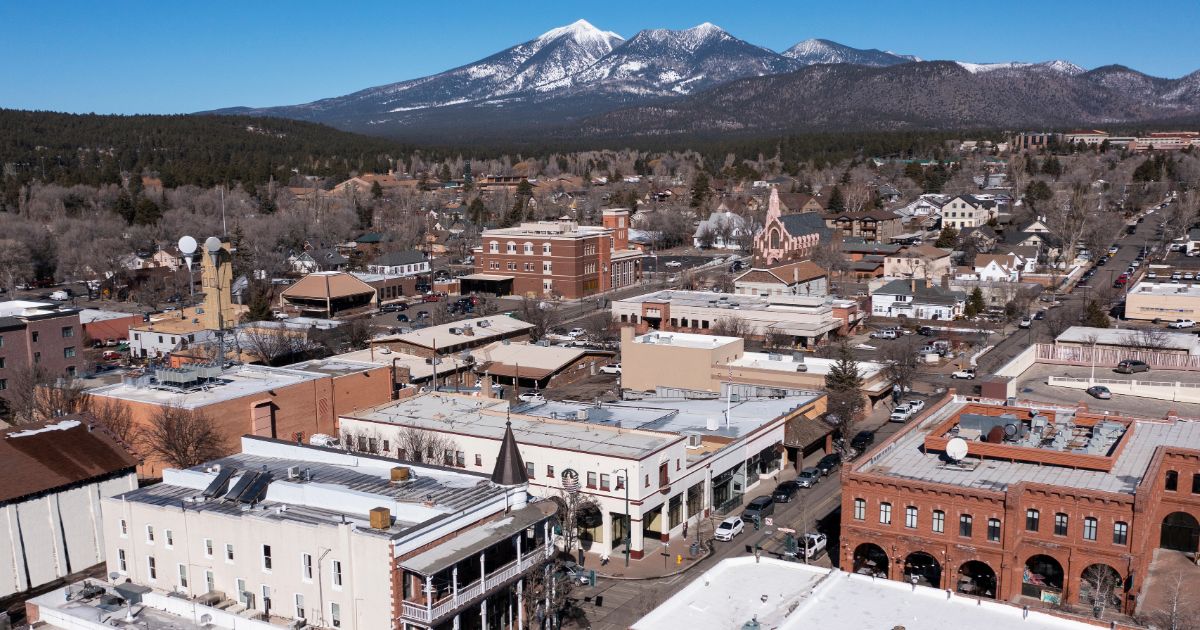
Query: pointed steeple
(510,468)
(773,209)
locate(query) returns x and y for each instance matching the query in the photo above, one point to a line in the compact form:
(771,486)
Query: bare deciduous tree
(15,263)
(542,315)
(901,361)
(1146,339)
(730,326)
(113,415)
(181,437)
(269,344)
(425,447)
(1178,610)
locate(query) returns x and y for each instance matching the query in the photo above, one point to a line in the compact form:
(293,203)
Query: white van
(60,296)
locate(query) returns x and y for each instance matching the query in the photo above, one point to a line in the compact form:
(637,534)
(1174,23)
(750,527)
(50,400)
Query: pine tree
(844,401)
(259,306)
(975,303)
(1095,316)
(376,190)
(700,189)
(843,374)
(476,211)
(444,175)
(837,202)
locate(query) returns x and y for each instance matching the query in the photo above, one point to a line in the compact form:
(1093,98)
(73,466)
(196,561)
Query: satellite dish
(187,245)
(212,244)
(956,449)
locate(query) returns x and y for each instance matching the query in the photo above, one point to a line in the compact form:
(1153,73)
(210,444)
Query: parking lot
(1032,384)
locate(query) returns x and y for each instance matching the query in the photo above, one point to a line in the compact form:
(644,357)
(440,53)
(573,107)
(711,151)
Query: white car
(884,334)
(1135,264)
(1026,322)
(729,528)
(915,405)
(968,374)
(1151,276)
(612,368)
(576,332)
(532,397)
(900,414)
(1181,323)
(674,263)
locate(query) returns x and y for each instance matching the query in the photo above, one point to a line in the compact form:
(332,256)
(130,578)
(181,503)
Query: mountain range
(576,81)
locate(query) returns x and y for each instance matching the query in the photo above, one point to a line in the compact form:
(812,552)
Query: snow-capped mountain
(814,51)
(661,62)
(578,77)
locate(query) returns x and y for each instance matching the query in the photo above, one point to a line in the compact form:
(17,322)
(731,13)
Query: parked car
(884,334)
(925,331)
(575,573)
(915,405)
(532,397)
(111,355)
(829,463)
(1025,322)
(60,296)
(812,544)
(1099,391)
(576,332)
(968,374)
(761,506)
(899,414)
(862,440)
(402,317)
(785,491)
(673,264)
(729,528)
(809,477)
(1181,323)
(1040,314)
(611,368)
(1130,366)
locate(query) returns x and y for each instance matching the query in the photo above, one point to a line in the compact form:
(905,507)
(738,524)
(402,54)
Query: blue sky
(121,56)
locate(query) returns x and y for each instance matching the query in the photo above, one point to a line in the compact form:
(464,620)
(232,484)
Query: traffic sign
(770,521)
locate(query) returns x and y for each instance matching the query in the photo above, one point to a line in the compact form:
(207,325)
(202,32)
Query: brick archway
(978,578)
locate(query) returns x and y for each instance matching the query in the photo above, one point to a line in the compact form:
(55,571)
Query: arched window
(774,240)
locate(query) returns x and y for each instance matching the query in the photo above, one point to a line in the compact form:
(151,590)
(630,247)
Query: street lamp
(628,518)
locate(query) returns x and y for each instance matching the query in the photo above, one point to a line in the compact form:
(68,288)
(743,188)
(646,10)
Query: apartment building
(561,257)
(967,211)
(1163,300)
(679,460)
(284,533)
(872,226)
(38,335)
(1031,503)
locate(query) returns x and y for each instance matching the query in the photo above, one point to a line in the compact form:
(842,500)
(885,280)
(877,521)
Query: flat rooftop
(905,457)
(90,315)
(338,486)
(418,369)
(481,328)
(791,596)
(725,301)
(334,366)
(786,362)
(685,340)
(234,382)
(486,417)
(1128,337)
(1162,289)
(26,308)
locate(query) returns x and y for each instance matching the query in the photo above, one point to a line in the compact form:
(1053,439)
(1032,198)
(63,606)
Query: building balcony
(470,593)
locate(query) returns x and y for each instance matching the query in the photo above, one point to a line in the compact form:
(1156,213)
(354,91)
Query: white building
(768,593)
(913,298)
(283,532)
(52,479)
(721,230)
(998,267)
(968,211)
(407,263)
(685,458)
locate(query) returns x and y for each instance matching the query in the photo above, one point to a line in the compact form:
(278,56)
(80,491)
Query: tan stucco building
(1163,300)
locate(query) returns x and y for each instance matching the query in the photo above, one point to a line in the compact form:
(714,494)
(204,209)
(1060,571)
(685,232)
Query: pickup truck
(968,374)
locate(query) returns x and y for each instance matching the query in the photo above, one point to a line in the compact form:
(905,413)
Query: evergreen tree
(376,190)
(947,239)
(975,303)
(445,174)
(259,305)
(146,212)
(477,212)
(700,189)
(837,202)
(1052,167)
(844,399)
(1095,316)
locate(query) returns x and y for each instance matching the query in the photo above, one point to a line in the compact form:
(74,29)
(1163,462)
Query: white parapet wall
(1158,390)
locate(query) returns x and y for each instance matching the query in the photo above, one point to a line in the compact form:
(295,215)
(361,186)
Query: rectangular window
(35,336)
(478,460)
(121,566)
(68,332)
(1089,528)
(460,458)
(151,568)
(860,509)
(182,575)
(550,471)
(242,595)
(124,528)
(208,548)
(266,565)
(335,614)
(994,529)
(885,513)
(591,480)
(530,470)
(1120,533)
(939,521)
(1195,478)
(150,534)
(210,582)
(1032,518)
(306,566)
(336,567)
(910,517)
(546,248)
(965,522)
(169,538)
(228,552)
(1060,524)
(299,606)
(620,482)
(604,481)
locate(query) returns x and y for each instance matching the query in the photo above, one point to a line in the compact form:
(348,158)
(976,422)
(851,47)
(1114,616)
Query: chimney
(485,386)
(381,518)
(400,473)
(913,285)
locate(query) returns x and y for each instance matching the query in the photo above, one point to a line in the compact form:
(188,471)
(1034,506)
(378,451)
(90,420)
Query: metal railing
(470,591)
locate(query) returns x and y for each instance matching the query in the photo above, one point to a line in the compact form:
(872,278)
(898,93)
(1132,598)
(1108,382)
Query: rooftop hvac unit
(581,414)
(712,424)
(293,472)
(774,357)
(456,331)
(484,323)
(694,440)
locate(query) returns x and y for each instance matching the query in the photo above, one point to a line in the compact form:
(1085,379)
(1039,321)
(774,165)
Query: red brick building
(561,257)
(1049,504)
(38,334)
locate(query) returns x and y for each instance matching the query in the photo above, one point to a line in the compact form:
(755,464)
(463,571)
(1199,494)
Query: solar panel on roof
(241,485)
(220,484)
(256,488)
